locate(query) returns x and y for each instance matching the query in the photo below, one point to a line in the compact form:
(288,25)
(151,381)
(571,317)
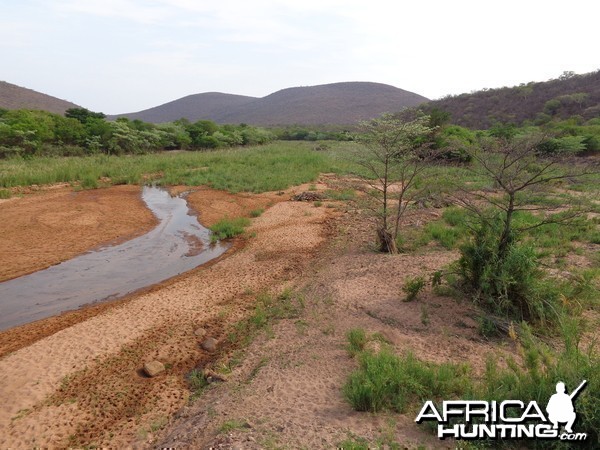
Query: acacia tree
(394,154)
(501,272)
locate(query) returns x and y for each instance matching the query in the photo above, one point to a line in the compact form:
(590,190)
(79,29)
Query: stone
(200,332)
(209,344)
(213,377)
(153,368)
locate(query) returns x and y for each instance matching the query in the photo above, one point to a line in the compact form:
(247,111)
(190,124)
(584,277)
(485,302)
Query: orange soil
(50,226)
(82,385)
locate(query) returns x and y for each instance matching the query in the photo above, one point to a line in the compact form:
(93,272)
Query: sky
(118,56)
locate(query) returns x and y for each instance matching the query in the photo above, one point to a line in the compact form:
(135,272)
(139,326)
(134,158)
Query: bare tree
(395,157)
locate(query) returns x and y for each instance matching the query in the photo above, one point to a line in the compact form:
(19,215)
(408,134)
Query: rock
(213,377)
(209,344)
(153,368)
(200,332)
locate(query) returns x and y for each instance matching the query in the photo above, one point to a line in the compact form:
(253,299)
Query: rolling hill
(193,107)
(569,95)
(17,97)
(337,103)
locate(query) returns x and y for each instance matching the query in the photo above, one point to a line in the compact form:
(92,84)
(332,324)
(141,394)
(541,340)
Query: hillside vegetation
(535,102)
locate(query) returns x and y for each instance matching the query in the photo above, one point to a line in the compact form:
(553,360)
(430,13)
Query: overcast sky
(120,56)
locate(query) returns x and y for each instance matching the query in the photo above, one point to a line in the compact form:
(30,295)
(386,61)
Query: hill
(194,107)
(17,97)
(337,103)
(539,102)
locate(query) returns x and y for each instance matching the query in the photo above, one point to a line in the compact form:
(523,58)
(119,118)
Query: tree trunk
(387,243)
(506,237)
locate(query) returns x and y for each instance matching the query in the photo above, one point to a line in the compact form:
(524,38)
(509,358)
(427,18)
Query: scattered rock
(213,377)
(153,368)
(307,196)
(209,344)
(200,332)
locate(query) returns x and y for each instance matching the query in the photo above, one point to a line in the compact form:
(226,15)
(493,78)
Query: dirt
(83,385)
(287,392)
(48,226)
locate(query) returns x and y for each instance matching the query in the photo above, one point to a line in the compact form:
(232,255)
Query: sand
(82,385)
(53,225)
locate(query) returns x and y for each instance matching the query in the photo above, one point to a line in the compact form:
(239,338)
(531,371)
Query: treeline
(82,132)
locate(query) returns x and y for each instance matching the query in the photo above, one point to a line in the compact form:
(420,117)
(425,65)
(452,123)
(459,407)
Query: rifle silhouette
(576,391)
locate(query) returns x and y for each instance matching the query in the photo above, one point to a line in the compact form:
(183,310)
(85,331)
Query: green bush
(228,228)
(412,287)
(357,339)
(508,284)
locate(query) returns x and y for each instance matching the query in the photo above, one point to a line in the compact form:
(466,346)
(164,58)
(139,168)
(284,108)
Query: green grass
(197,383)
(341,195)
(287,305)
(271,167)
(228,228)
(386,381)
(357,339)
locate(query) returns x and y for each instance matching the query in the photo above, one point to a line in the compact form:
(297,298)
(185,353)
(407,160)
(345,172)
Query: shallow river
(178,244)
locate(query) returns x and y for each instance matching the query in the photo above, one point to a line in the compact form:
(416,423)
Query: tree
(83,114)
(395,156)
(500,270)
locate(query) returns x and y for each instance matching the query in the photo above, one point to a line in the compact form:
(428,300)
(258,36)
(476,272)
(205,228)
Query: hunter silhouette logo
(509,419)
(560,406)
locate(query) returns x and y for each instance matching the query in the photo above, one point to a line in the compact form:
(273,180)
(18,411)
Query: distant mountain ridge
(333,104)
(17,97)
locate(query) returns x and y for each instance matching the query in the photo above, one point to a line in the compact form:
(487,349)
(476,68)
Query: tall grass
(401,383)
(271,167)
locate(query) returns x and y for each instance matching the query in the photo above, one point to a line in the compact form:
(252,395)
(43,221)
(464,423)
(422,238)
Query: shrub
(412,287)
(508,284)
(228,228)
(357,339)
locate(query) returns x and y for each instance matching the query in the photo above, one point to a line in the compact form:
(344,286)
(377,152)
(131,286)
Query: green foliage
(228,228)
(256,212)
(197,382)
(340,195)
(26,131)
(287,305)
(386,381)
(272,167)
(82,115)
(508,283)
(357,339)
(394,153)
(542,368)
(412,287)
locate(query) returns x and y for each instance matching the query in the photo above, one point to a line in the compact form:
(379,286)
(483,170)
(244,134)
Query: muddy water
(179,243)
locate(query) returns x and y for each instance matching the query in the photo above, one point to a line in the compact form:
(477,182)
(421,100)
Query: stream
(176,245)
